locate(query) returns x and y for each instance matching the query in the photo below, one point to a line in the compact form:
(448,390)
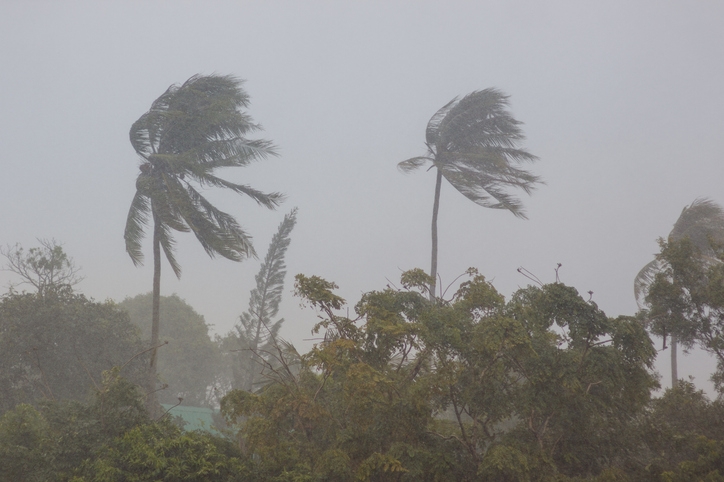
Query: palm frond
(216,231)
(412,164)
(136,223)
(643,280)
(433,125)
(484,190)
(168,245)
(702,222)
(270,200)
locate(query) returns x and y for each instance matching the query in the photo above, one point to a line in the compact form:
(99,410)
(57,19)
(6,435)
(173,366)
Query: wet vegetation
(402,385)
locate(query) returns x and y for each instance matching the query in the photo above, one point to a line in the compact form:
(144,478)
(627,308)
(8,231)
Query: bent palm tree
(473,143)
(702,222)
(191,131)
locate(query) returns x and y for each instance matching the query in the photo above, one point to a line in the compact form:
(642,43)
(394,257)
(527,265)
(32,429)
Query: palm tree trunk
(152,399)
(674,368)
(435,209)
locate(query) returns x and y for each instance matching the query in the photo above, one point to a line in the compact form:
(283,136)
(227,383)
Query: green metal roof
(196,418)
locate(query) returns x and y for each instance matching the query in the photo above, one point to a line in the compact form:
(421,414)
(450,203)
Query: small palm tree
(701,222)
(191,131)
(473,143)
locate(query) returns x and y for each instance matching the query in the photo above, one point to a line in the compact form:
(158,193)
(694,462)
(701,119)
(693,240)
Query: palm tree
(701,222)
(189,132)
(473,143)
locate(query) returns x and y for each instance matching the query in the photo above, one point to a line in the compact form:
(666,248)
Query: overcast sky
(622,102)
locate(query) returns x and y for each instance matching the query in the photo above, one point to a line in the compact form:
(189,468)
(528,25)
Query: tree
(191,131)
(190,361)
(471,388)
(686,299)
(702,222)
(473,143)
(47,268)
(255,336)
(110,438)
(56,346)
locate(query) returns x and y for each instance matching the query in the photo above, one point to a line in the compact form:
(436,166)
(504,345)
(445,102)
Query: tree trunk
(435,209)
(151,398)
(674,368)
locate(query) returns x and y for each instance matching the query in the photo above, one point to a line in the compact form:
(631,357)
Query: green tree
(539,388)
(702,223)
(190,132)
(52,441)
(254,340)
(191,360)
(674,425)
(687,298)
(110,439)
(55,346)
(162,451)
(473,143)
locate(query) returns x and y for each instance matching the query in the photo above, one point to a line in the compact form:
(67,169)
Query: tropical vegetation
(404,385)
(702,224)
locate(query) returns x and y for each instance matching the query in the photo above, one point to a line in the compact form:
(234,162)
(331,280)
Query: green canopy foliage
(55,346)
(109,439)
(475,387)
(686,298)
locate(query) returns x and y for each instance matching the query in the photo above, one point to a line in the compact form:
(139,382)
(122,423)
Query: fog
(622,102)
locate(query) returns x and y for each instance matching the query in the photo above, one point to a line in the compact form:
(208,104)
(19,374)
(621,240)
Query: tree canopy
(413,390)
(55,347)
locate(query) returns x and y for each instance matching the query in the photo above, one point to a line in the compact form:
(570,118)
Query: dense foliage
(109,439)
(540,387)
(54,346)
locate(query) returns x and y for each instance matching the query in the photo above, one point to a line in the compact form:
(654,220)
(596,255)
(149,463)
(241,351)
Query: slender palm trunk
(674,367)
(152,399)
(435,209)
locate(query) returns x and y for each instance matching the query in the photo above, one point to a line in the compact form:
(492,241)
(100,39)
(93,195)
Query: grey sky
(622,102)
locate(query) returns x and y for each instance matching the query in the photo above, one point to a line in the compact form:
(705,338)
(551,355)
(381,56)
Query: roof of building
(196,418)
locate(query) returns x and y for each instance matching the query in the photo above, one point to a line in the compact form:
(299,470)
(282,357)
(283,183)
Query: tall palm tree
(189,132)
(473,143)
(702,222)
